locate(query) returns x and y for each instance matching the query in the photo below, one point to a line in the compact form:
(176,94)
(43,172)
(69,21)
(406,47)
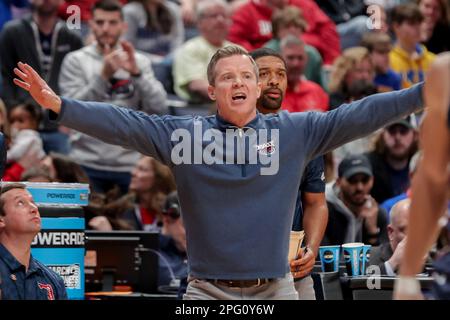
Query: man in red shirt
(301,94)
(251,26)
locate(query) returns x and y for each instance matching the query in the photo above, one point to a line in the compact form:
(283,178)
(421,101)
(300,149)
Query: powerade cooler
(60,244)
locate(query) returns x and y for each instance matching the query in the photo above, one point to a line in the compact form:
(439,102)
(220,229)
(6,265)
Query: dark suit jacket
(17,43)
(379,255)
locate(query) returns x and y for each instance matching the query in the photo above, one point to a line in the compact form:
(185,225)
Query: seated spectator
(352,66)
(141,208)
(394,148)
(172,259)
(252,27)
(154,26)
(14,170)
(389,255)
(63,169)
(42,41)
(435,28)
(389,203)
(109,70)
(104,211)
(301,94)
(36,174)
(350,19)
(354,216)
(192,58)
(151,181)
(290,20)
(24,121)
(379,46)
(342,11)
(409,58)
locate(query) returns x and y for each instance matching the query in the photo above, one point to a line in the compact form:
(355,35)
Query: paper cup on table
(329,258)
(295,244)
(364,258)
(352,252)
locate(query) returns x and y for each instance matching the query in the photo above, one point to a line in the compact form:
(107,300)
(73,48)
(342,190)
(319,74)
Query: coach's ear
(212,93)
(2,222)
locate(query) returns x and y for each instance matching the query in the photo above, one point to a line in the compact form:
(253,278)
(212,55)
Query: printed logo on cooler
(70,273)
(59,238)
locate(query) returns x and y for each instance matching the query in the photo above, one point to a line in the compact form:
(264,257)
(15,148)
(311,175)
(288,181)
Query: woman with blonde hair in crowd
(354,64)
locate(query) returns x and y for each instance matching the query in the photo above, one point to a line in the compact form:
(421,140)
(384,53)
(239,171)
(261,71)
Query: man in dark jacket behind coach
(42,41)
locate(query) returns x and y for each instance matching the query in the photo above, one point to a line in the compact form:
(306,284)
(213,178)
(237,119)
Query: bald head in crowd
(399,222)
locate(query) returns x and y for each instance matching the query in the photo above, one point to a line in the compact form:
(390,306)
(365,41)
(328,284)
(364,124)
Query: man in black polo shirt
(21,276)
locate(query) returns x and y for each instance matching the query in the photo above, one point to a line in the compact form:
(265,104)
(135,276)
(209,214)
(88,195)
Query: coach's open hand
(37,87)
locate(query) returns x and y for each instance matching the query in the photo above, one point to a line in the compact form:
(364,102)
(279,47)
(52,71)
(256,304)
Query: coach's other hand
(37,87)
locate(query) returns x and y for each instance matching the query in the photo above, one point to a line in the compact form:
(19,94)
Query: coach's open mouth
(239,96)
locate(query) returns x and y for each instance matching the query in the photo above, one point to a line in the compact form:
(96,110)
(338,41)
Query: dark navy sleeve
(314,177)
(61,292)
(313,181)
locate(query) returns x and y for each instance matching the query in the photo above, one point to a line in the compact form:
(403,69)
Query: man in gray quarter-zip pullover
(227,166)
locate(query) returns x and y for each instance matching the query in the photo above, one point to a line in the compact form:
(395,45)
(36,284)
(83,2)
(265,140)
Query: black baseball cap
(353,165)
(409,122)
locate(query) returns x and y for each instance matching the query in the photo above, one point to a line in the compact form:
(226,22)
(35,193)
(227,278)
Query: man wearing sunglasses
(354,216)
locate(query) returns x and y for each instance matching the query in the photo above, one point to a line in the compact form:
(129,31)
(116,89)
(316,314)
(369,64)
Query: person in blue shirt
(21,276)
(237,172)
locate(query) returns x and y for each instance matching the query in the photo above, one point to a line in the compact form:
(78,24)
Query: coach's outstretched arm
(148,134)
(37,87)
(327,131)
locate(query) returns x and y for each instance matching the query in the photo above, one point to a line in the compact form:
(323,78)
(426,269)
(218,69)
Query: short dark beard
(349,201)
(270,104)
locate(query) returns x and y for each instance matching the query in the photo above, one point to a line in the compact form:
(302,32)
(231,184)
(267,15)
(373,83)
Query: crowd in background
(153,57)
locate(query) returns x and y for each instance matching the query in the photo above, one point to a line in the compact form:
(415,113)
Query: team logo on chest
(266,148)
(49,289)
